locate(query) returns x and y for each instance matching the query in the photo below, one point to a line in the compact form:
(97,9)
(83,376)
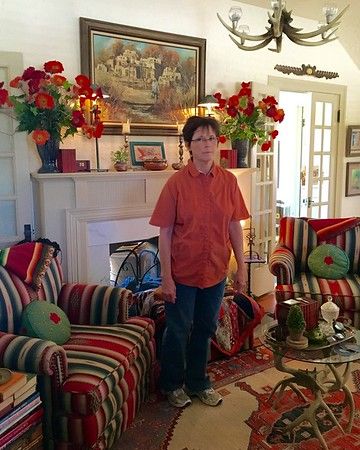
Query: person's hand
(240,278)
(168,290)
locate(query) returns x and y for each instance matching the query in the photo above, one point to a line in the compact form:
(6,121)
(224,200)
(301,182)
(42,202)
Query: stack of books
(20,413)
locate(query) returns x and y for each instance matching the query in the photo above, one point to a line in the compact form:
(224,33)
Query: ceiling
(312,9)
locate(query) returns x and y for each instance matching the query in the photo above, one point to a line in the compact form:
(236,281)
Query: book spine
(19,429)
(17,414)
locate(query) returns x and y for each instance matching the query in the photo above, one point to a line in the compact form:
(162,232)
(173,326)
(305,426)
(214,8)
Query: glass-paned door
(264,203)
(15,186)
(318,198)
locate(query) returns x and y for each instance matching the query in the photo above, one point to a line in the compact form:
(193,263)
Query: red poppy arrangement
(242,119)
(49,106)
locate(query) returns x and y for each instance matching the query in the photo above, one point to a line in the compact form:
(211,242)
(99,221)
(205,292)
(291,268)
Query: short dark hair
(195,122)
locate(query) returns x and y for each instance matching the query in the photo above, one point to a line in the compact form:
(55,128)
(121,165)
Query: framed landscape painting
(154,79)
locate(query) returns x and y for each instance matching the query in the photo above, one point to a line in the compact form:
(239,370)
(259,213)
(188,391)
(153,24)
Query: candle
(126,127)
(179,127)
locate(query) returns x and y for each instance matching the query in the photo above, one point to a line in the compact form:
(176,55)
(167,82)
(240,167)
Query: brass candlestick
(180,164)
(126,142)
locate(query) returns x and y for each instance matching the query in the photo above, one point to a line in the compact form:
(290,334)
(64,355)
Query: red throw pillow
(29,261)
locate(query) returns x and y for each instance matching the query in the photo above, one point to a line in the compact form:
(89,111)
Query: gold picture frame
(154,79)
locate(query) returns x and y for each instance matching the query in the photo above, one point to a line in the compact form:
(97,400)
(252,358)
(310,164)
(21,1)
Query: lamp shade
(208,101)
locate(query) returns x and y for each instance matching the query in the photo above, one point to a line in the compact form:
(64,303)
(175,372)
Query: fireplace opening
(135,265)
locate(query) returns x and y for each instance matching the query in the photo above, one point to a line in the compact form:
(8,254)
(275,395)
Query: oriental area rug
(245,420)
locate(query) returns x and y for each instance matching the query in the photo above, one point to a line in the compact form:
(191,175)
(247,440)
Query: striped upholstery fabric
(87,304)
(350,243)
(289,263)
(282,264)
(93,385)
(109,372)
(296,235)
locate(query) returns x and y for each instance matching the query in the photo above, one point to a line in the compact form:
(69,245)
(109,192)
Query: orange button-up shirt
(200,207)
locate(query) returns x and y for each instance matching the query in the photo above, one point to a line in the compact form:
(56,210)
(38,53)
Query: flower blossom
(40,136)
(243,118)
(44,101)
(49,106)
(53,67)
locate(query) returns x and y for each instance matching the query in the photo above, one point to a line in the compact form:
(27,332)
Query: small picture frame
(353,140)
(352,179)
(142,151)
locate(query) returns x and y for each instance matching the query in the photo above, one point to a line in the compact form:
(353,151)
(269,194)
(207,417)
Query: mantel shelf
(113,174)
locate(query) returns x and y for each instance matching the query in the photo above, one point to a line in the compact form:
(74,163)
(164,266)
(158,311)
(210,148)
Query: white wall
(47,29)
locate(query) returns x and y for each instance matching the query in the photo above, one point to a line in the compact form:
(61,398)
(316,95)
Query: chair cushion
(29,261)
(103,359)
(46,321)
(328,261)
(345,291)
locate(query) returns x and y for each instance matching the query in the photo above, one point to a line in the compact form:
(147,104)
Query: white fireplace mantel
(85,212)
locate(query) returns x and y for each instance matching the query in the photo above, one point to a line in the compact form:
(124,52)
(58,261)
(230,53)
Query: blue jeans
(190,323)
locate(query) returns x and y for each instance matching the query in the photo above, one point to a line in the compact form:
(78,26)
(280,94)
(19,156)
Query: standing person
(198,212)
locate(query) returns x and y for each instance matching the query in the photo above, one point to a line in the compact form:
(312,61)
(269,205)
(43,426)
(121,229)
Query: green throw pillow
(328,261)
(46,321)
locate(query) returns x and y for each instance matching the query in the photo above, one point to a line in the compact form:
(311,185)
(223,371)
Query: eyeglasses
(211,139)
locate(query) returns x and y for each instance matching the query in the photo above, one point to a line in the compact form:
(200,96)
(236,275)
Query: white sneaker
(178,398)
(209,396)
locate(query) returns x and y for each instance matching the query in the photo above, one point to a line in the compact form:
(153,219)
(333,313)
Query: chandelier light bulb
(278,4)
(280,21)
(330,11)
(244,29)
(235,13)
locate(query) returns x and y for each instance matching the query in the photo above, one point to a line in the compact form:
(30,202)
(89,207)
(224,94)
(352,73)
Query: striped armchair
(289,262)
(93,385)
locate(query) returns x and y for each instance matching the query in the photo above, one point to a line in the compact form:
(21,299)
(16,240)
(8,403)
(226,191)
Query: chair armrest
(33,355)
(87,304)
(282,265)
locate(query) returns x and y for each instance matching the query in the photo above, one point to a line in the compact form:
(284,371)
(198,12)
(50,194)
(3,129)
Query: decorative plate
(5,375)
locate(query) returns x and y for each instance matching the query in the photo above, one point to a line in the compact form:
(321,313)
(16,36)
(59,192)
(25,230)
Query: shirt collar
(194,171)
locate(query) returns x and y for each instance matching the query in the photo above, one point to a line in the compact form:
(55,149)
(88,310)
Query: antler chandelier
(279,21)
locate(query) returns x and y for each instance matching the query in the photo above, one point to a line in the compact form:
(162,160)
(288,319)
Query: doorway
(308,148)
(15,186)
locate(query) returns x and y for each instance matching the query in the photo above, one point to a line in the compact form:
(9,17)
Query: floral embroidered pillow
(328,261)
(46,321)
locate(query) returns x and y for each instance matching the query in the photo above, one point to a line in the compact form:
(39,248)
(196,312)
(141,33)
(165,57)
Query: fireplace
(87,212)
(91,233)
(135,264)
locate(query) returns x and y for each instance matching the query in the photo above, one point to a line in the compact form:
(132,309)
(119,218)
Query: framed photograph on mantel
(154,79)
(352,179)
(353,140)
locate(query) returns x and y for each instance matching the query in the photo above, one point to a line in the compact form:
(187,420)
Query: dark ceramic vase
(48,154)
(243,147)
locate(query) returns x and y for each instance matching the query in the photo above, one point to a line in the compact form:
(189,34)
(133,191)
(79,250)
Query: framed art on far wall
(353,140)
(142,151)
(155,79)
(352,179)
